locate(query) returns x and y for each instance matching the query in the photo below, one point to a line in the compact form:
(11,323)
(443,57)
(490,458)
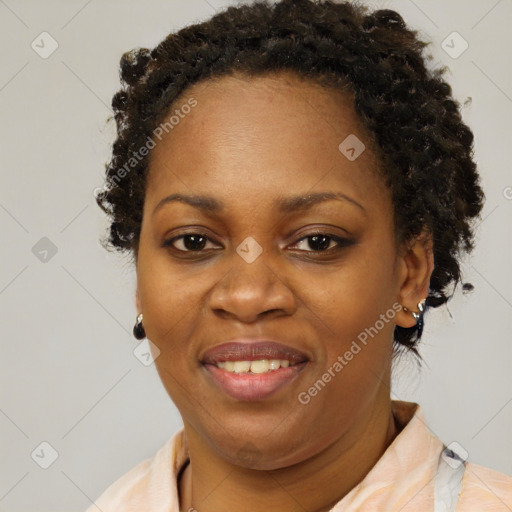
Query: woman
(296,188)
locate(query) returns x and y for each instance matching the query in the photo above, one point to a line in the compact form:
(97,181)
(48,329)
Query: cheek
(355,347)
(170,301)
(166,292)
(351,296)
(353,313)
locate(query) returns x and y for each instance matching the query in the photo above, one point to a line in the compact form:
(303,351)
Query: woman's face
(248,265)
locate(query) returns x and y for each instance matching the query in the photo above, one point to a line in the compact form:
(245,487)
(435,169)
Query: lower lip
(250,387)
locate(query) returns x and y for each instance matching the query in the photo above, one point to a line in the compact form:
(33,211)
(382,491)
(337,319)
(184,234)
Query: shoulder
(146,486)
(485,490)
(122,490)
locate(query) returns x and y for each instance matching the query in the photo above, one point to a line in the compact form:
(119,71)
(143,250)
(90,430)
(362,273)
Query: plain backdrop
(69,376)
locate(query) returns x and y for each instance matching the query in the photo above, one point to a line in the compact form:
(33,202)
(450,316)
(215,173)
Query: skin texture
(248,143)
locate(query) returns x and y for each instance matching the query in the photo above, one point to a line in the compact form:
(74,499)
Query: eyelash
(342,242)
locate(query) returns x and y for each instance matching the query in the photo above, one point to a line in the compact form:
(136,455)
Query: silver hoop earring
(418,315)
(421,307)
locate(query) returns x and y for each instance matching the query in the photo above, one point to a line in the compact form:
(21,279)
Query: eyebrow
(304,202)
(284,204)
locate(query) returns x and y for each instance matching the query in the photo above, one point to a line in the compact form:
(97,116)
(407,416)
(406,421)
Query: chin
(261,451)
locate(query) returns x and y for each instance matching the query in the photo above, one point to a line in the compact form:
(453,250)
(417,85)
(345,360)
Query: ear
(138,304)
(415,269)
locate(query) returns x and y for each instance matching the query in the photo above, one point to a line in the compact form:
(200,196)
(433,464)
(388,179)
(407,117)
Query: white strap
(448,481)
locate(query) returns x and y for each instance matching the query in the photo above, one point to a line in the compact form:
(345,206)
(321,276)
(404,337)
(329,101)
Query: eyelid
(331,230)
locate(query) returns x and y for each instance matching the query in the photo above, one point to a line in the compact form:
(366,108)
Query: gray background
(68,372)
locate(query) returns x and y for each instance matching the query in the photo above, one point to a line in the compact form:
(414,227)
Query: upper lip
(252,349)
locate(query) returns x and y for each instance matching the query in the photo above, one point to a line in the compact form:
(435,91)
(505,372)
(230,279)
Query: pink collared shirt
(403,479)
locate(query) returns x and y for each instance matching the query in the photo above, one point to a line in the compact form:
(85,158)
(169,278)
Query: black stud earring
(138,329)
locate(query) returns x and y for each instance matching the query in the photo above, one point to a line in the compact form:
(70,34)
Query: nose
(250,291)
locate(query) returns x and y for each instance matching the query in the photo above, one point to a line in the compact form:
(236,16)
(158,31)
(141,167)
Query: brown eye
(323,242)
(189,242)
(319,242)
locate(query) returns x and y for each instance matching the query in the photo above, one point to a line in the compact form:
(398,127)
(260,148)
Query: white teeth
(259,366)
(242,366)
(274,364)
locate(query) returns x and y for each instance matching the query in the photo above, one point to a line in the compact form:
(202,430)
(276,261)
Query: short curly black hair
(416,128)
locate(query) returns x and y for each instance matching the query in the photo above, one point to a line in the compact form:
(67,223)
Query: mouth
(252,370)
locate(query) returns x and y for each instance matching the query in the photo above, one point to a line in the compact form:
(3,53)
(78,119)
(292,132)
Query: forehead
(275,99)
(277,127)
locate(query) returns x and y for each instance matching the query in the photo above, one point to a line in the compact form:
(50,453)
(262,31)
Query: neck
(210,484)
